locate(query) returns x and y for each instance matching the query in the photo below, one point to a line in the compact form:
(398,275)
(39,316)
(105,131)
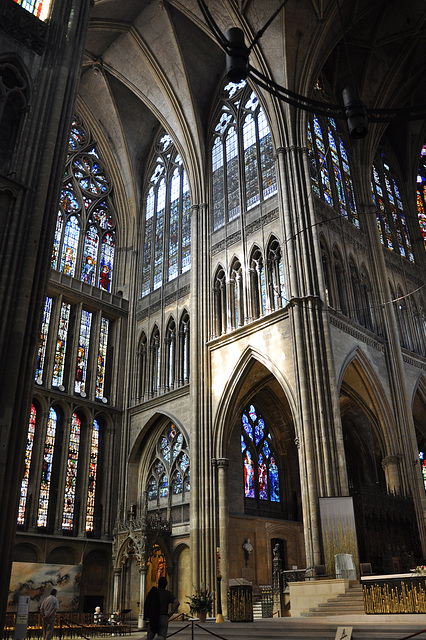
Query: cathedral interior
(213,291)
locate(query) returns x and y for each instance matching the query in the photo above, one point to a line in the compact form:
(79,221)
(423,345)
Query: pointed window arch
(13,103)
(28,457)
(71,473)
(421,193)
(184,347)
(84,242)
(46,470)
(237,286)
(93,477)
(331,177)
(155,361)
(170,344)
(44,333)
(169,473)
(142,366)
(390,214)
(340,276)
(220,302)
(167,229)
(276,284)
(261,473)
(243,166)
(258,283)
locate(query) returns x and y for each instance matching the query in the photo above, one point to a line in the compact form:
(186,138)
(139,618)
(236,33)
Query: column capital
(222,462)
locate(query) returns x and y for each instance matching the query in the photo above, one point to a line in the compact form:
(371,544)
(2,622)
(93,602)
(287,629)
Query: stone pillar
(116,596)
(142,595)
(222,481)
(390,466)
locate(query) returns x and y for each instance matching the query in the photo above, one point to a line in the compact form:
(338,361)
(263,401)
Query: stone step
(296,629)
(349,603)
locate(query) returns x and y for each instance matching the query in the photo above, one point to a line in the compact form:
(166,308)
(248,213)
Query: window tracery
(84,242)
(330,168)
(169,474)
(276,275)
(243,168)
(261,473)
(46,470)
(13,102)
(167,229)
(390,214)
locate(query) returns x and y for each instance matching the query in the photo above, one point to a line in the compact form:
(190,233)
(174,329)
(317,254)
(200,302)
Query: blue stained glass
(70,246)
(165,449)
(248,475)
(274,481)
(247,426)
(243,444)
(107,261)
(184,462)
(263,479)
(90,255)
(164,486)
(177,484)
(152,489)
(266,450)
(252,413)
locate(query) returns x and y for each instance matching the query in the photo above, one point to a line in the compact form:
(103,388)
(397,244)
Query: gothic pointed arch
(258,290)
(275,274)
(236,289)
(14,96)
(242,162)
(220,301)
(166,233)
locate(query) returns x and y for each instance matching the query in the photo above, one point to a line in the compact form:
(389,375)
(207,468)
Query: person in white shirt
(48,611)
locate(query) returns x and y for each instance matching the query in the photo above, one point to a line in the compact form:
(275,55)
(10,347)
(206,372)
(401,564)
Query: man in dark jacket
(156,609)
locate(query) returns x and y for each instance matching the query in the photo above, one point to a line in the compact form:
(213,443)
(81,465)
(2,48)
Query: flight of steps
(350,603)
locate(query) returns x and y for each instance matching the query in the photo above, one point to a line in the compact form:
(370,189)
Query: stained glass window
(46,469)
(84,242)
(169,469)
(423,466)
(27,467)
(102,356)
(421,193)
(242,142)
(39,8)
(93,470)
(390,213)
(61,345)
(41,354)
(167,230)
(261,475)
(71,473)
(329,167)
(83,351)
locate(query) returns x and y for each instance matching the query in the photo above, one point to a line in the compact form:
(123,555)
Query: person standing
(156,609)
(48,610)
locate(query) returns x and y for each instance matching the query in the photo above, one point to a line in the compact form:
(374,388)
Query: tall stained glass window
(71,473)
(46,469)
(102,355)
(421,193)
(84,242)
(261,474)
(41,354)
(167,230)
(243,167)
(390,214)
(39,8)
(83,351)
(93,472)
(61,345)
(329,166)
(28,456)
(169,469)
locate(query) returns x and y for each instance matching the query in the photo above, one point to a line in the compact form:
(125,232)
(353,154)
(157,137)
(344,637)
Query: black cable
(261,31)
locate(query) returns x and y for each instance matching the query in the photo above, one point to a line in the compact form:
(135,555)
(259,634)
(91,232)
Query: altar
(394,593)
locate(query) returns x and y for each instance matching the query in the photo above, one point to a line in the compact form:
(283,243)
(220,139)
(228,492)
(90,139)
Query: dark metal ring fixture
(353,109)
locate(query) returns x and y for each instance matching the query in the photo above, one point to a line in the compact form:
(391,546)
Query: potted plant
(200,603)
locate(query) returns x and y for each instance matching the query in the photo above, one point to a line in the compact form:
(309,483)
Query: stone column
(116,596)
(390,466)
(222,482)
(142,594)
